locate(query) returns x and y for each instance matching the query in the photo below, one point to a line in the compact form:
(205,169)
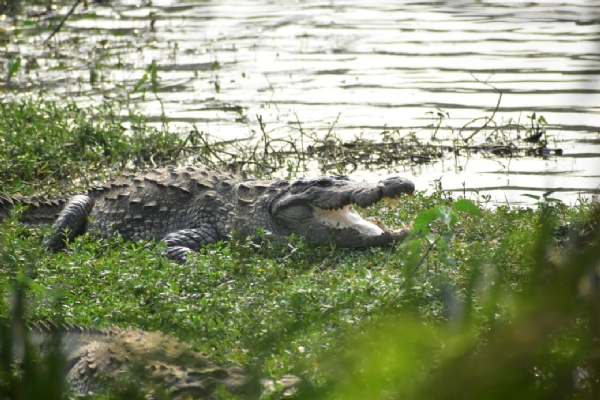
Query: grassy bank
(46,147)
(478,304)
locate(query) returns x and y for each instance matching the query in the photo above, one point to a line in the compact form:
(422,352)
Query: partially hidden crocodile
(190,207)
(97,359)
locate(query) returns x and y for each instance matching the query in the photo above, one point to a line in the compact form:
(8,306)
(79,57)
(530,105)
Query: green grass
(49,147)
(480,304)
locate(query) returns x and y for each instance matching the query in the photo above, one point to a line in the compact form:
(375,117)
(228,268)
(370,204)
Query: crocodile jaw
(347,218)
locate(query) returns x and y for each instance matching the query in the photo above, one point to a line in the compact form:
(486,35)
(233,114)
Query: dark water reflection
(370,66)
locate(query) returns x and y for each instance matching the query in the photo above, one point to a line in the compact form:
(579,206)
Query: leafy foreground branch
(541,342)
(478,304)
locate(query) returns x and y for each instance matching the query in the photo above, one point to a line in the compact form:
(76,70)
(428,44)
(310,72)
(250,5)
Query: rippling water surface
(354,68)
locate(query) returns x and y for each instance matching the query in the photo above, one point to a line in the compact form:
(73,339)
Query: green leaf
(422,220)
(93,76)
(60,293)
(533,196)
(144,253)
(139,83)
(446,260)
(552,200)
(14,65)
(549,192)
(446,215)
(448,236)
(153,71)
(30,283)
(441,244)
(467,206)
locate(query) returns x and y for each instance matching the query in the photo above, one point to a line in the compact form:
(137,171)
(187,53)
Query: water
(353,67)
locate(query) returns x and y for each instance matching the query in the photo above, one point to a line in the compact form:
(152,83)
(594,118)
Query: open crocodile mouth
(347,218)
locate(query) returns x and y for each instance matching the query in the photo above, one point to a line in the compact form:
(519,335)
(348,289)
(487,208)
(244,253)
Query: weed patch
(45,145)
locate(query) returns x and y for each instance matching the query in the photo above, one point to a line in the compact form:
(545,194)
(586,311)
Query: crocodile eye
(324,182)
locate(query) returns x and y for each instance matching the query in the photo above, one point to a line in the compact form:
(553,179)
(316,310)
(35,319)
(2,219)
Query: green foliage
(539,342)
(151,74)
(544,198)
(44,143)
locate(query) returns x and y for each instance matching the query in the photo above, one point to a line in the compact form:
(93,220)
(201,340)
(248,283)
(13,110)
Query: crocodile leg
(185,240)
(71,222)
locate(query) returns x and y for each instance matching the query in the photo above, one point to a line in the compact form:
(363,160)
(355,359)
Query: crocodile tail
(41,210)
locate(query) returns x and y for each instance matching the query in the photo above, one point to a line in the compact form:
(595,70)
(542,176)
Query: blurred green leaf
(446,215)
(533,196)
(467,206)
(423,219)
(31,284)
(140,82)
(14,64)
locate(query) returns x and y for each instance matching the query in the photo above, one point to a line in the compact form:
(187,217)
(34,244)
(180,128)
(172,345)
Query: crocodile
(192,206)
(97,359)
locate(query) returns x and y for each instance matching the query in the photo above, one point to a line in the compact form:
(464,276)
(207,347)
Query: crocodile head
(322,210)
